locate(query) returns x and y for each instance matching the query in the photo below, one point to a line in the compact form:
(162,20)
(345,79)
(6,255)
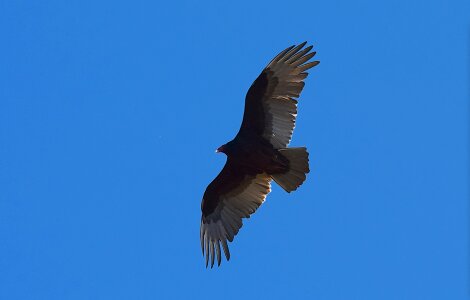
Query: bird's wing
(234,194)
(270,104)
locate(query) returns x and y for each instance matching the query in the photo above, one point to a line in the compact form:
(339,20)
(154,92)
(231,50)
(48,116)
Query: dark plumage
(258,153)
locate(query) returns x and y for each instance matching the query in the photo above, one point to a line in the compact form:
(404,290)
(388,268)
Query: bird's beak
(217,150)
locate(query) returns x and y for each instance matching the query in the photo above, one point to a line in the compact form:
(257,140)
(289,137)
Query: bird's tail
(298,167)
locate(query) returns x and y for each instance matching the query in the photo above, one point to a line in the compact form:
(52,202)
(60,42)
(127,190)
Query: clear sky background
(110,113)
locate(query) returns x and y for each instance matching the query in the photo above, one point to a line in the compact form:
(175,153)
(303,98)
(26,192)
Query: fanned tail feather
(298,168)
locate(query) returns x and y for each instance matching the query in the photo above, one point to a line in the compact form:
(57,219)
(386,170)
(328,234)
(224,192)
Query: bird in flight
(258,153)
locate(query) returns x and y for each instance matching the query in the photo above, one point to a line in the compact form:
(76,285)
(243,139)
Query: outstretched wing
(234,194)
(270,104)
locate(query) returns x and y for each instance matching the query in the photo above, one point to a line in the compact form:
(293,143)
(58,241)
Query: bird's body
(247,156)
(258,153)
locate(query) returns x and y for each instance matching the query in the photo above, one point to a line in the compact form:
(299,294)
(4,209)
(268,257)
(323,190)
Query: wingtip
(202,246)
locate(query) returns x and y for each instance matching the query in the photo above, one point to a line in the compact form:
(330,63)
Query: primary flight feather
(258,153)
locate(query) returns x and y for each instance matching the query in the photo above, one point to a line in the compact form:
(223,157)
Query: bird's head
(221,149)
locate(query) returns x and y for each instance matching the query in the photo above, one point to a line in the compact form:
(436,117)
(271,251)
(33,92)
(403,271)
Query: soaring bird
(258,153)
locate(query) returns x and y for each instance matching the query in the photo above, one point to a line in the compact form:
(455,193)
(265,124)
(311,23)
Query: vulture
(258,153)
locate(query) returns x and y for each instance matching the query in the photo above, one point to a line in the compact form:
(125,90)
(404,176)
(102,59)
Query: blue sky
(110,113)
